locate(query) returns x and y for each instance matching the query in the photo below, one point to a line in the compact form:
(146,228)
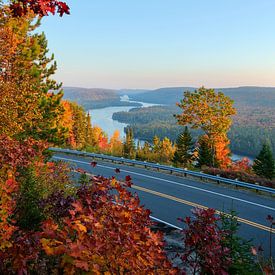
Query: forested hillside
(251,127)
(252,96)
(94,98)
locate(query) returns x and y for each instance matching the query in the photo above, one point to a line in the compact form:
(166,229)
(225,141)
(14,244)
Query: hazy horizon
(182,86)
(151,44)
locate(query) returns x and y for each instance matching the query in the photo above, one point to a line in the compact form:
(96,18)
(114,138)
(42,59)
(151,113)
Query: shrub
(106,231)
(240,175)
(203,240)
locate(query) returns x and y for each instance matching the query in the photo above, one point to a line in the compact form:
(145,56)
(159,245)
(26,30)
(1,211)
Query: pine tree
(89,131)
(184,147)
(129,144)
(29,97)
(205,154)
(264,164)
(79,125)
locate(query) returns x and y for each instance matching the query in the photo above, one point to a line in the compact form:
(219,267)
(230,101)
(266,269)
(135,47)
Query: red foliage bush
(14,154)
(204,252)
(240,175)
(39,7)
(106,231)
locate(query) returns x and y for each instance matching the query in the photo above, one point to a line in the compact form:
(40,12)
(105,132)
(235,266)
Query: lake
(103,118)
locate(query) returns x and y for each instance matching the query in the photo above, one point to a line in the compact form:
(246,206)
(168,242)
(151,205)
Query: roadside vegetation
(51,225)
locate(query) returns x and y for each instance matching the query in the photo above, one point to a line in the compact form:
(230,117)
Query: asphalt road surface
(170,197)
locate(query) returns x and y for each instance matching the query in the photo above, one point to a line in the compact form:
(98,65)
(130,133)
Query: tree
(264,164)
(156,145)
(204,109)
(129,144)
(222,152)
(205,154)
(242,260)
(184,146)
(116,144)
(89,130)
(28,105)
(204,252)
(167,150)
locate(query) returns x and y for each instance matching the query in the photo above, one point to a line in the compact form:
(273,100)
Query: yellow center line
(156,193)
(193,204)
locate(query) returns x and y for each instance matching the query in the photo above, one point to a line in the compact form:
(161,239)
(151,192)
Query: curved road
(170,197)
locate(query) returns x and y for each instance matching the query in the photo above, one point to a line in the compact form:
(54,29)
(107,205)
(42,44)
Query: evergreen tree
(29,97)
(129,144)
(184,147)
(79,125)
(264,164)
(205,154)
(89,131)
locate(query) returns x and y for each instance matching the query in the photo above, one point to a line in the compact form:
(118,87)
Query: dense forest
(251,126)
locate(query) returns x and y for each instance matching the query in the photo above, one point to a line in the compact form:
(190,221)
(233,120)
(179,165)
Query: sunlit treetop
(39,7)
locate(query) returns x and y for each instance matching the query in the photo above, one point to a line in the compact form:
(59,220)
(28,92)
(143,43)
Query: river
(103,118)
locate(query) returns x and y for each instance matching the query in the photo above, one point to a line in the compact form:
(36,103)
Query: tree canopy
(211,112)
(206,109)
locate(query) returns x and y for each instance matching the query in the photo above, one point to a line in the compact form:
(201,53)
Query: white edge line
(167,223)
(176,183)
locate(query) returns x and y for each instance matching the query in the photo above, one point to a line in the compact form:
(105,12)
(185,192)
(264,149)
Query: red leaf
(117,170)
(93,163)
(128,178)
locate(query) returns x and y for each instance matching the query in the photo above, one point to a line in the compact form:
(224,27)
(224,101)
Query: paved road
(170,197)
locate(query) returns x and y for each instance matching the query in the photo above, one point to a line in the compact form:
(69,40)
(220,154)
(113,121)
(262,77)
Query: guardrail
(172,169)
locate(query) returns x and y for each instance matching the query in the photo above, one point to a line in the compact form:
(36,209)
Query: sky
(150,44)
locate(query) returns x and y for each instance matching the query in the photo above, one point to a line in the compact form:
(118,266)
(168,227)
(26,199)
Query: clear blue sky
(159,43)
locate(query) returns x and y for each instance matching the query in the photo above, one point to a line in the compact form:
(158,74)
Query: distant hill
(243,96)
(132,91)
(167,96)
(95,97)
(251,96)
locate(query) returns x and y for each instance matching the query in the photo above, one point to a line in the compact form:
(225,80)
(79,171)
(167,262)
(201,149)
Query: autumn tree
(167,151)
(156,145)
(116,146)
(211,112)
(144,152)
(184,147)
(28,105)
(264,164)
